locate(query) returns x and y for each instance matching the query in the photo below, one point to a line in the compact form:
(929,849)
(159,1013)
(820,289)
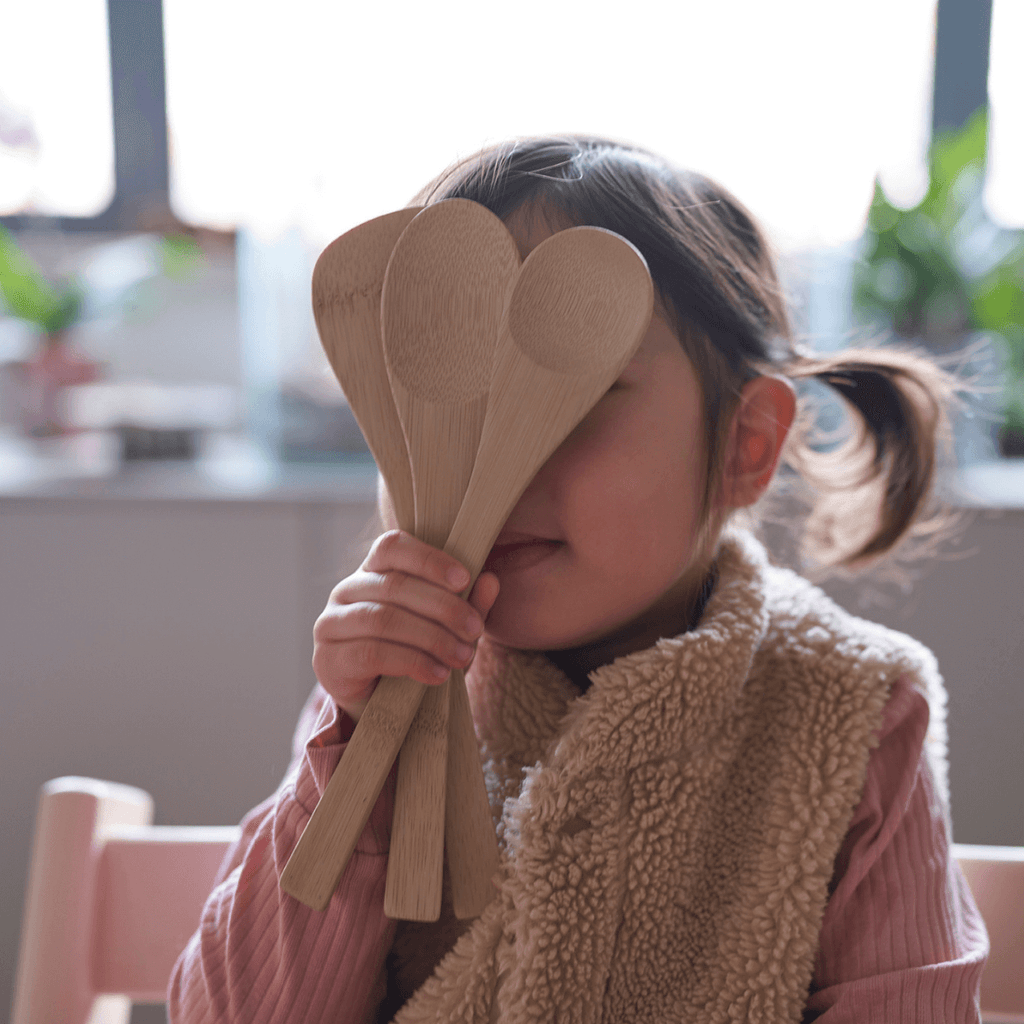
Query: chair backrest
(996,877)
(111,901)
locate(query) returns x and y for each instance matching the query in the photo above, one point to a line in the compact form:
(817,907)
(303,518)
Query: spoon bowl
(348,281)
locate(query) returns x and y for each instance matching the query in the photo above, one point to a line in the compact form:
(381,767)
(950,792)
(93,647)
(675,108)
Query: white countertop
(228,468)
(997,484)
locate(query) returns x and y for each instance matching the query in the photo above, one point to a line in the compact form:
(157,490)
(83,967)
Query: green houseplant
(29,296)
(53,308)
(942,270)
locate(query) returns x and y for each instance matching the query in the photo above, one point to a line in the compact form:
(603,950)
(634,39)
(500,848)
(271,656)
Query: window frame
(138,85)
(138,94)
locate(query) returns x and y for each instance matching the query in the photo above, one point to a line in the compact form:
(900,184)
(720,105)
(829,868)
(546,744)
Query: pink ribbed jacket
(901,939)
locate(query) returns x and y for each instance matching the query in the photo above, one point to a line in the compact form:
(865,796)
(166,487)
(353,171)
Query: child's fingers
(400,614)
(352,667)
(399,551)
(399,590)
(484,593)
(367,627)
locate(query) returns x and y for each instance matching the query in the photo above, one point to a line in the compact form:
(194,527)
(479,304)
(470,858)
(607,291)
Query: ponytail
(875,491)
(714,271)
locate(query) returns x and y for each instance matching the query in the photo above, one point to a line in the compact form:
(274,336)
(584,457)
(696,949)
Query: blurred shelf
(227,468)
(998,484)
(233,468)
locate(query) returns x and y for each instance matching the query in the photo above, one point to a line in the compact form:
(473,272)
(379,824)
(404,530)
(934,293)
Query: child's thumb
(485,593)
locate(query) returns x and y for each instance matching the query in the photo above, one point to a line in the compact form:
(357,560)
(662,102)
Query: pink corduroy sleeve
(261,957)
(902,940)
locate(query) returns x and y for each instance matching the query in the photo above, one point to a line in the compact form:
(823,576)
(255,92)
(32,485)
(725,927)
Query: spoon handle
(416,855)
(325,846)
(469,829)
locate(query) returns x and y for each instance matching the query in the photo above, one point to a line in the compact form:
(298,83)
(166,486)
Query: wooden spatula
(446,289)
(580,307)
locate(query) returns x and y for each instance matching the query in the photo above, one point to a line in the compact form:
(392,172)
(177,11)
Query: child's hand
(398,614)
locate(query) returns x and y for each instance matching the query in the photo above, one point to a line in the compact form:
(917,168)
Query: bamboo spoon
(347,283)
(622,300)
(581,305)
(323,850)
(446,288)
(348,280)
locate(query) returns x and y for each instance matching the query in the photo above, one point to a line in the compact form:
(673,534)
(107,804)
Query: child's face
(608,530)
(619,501)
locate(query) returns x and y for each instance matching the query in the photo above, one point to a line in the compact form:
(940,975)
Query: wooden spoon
(446,288)
(323,850)
(581,305)
(622,298)
(579,310)
(348,281)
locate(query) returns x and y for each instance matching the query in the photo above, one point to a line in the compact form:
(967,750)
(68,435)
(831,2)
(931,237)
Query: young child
(718,796)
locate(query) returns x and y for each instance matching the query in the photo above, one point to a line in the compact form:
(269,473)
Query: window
(339,112)
(296,128)
(56,133)
(1004,197)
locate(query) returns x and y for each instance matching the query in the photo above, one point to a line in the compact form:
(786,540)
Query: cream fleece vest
(668,837)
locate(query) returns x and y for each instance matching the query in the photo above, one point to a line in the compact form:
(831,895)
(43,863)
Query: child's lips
(513,550)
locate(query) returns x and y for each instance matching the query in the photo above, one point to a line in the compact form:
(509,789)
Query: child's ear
(756,436)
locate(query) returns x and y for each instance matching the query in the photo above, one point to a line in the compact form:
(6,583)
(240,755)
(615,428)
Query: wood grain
(469,828)
(580,308)
(348,282)
(446,289)
(319,858)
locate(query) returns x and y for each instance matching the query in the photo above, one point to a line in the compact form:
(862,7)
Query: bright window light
(330,114)
(1004,184)
(56,125)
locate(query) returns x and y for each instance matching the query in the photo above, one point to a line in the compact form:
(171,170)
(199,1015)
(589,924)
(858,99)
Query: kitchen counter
(233,468)
(228,468)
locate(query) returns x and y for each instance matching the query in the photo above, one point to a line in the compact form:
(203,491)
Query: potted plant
(943,270)
(52,309)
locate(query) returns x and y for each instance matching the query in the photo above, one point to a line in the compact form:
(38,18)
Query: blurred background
(181,482)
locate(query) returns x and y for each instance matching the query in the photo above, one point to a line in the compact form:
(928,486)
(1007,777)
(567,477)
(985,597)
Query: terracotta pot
(45,376)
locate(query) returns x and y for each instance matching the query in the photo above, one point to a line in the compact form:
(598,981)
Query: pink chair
(996,877)
(111,901)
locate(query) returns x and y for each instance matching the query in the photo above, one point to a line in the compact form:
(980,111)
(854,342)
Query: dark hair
(716,277)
